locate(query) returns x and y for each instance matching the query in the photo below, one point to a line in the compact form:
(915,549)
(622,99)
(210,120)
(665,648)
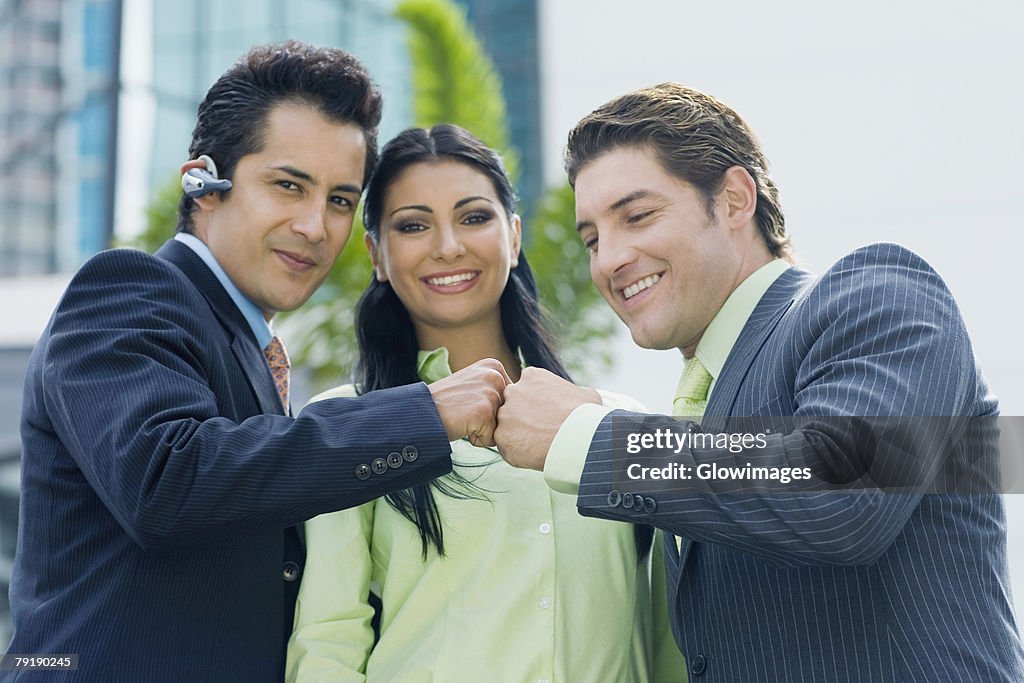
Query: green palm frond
(581,322)
(454,79)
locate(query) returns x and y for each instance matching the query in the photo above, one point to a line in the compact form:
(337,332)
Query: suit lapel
(254,365)
(243,345)
(758,328)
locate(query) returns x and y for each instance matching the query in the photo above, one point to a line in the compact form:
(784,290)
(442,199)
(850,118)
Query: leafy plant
(453,77)
(161,216)
(581,321)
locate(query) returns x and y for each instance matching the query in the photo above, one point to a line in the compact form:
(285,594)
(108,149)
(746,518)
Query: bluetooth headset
(196,182)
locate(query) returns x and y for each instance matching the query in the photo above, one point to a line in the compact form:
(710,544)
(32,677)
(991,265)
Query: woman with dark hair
(486,573)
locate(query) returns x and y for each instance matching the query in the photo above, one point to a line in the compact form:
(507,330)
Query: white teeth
(450,279)
(637,287)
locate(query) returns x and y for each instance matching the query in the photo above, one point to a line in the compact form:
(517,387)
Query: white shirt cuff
(563,468)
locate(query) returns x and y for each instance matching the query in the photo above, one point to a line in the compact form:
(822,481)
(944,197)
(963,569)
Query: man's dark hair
(232,118)
(695,137)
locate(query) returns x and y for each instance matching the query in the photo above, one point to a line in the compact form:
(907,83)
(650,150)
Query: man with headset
(163,475)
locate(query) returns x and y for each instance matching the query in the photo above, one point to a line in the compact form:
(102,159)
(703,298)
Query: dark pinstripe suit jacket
(160,478)
(831,586)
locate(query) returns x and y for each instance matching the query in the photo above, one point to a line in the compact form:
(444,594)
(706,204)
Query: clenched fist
(468,401)
(535,408)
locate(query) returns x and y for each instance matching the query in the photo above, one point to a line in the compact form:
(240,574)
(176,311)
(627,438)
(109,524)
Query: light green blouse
(529,590)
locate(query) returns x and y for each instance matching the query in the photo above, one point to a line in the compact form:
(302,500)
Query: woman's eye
(410,226)
(478,217)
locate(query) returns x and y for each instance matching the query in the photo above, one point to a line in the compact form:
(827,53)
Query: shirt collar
(253,315)
(721,334)
(433,365)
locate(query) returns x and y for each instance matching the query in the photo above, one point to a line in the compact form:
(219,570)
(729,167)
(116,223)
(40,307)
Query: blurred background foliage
(455,82)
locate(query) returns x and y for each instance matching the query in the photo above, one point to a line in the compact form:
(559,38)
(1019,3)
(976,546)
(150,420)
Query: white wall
(884,120)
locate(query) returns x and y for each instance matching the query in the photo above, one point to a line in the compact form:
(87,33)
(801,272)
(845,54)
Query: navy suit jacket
(837,585)
(161,481)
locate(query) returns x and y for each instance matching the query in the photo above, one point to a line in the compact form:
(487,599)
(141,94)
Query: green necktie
(691,399)
(692,393)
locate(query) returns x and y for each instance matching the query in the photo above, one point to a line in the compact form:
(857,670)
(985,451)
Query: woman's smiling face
(446,245)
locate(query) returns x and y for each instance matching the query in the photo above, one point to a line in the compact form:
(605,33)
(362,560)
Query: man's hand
(535,408)
(468,401)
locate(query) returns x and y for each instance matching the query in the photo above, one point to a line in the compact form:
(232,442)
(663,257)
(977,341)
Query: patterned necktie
(692,393)
(277,359)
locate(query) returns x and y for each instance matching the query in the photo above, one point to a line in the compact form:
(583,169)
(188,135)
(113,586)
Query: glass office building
(30,105)
(58,94)
(509,32)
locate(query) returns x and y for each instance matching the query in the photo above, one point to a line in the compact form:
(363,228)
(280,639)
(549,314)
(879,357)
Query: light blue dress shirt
(253,315)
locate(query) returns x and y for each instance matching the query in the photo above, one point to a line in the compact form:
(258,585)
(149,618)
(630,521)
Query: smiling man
(162,472)
(791,580)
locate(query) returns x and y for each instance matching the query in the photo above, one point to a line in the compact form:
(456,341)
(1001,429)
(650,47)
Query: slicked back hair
(694,136)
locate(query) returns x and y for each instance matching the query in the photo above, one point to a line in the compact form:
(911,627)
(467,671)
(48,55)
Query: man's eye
(287,185)
(343,202)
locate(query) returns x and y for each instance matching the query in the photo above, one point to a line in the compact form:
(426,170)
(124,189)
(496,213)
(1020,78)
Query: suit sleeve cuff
(568,452)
